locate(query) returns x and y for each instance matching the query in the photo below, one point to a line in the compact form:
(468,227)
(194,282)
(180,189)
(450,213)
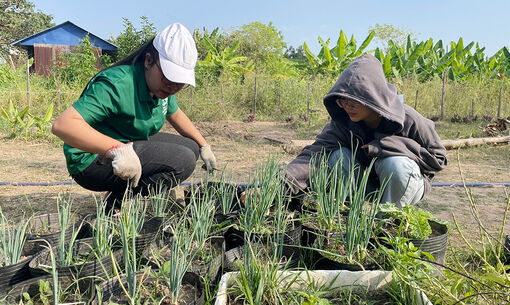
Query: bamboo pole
(473,108)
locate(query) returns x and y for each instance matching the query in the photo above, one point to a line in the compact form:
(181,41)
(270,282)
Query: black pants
(165,158)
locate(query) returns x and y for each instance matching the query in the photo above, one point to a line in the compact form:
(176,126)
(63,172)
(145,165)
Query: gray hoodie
(402,131)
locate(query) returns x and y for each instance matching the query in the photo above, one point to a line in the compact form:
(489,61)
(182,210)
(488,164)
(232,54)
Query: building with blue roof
(65,37)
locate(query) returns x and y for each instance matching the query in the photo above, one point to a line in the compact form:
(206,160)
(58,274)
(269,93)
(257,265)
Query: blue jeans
(405,185)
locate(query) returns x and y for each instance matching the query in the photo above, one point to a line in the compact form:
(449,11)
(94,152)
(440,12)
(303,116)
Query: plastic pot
(291,241)
(14,274)
(92,270)
(111,289)
(234,256)
(436,245)
(49,223)
(210,270)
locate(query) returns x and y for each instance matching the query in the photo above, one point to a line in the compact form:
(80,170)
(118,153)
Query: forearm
(73,130)
(185,127)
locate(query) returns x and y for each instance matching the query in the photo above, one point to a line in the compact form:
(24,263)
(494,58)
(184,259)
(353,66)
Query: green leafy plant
(415,221)
(16,118)
(43,124)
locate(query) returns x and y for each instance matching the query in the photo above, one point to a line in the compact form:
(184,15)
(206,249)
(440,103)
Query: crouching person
(369,121)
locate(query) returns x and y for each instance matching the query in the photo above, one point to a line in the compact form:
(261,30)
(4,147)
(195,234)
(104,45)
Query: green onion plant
(130,223)
(173,270)
(12,239)
(226,193)
(201,220)
(362,212)
(267,185)
(104,230)
(159,199)
(330,189)
(66,220)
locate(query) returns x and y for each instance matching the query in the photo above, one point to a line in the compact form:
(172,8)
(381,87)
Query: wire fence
(292,98)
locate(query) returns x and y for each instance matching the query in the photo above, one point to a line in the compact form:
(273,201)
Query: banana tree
(335,60)
(225,62)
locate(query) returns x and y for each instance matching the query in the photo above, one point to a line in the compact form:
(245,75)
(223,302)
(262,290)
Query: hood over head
(363,81)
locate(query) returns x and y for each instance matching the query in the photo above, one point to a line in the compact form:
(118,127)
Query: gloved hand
(126,164)
(208,157)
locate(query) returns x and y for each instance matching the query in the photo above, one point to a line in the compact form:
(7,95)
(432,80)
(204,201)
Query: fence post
(443,92)
(255,97)
(279,101)
(308,105)
(473,108)
(28,82)
(416,101)
(58,92)
(191,95)
(499,102)
(221,85)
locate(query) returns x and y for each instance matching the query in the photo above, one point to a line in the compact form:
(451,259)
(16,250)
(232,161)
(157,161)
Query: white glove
(126,164)
(208,157)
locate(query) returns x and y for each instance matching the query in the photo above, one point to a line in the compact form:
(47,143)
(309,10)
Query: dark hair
(136,57)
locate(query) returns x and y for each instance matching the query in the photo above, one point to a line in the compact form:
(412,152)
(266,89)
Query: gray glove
(126,164)
(208,157)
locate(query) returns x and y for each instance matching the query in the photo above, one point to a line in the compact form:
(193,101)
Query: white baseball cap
(177,54)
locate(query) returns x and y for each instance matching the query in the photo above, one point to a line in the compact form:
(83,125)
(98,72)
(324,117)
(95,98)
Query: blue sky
(485,22)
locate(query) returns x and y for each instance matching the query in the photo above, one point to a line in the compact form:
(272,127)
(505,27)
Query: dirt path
(242,147)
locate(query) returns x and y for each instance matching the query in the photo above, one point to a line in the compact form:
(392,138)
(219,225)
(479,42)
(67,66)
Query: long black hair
(136,57)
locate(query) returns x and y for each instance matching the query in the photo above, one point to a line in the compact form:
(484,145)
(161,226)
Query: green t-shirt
(117,103)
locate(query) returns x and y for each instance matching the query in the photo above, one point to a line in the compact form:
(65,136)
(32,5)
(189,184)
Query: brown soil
(241,147)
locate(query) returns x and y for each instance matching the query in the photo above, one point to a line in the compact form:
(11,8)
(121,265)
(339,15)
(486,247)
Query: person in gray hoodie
(368,120)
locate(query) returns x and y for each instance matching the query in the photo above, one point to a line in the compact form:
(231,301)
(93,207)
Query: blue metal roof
(66,33)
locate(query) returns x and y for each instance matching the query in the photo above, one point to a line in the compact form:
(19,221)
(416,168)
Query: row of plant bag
(78,252)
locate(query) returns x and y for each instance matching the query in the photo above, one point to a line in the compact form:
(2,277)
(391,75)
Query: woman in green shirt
(111,133)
